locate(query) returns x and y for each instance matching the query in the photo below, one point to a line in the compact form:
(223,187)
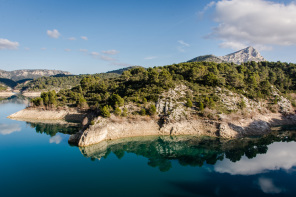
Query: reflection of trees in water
(16,99)
(187,150)
(53,129)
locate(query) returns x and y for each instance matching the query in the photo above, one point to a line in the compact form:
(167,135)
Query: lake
(36,160)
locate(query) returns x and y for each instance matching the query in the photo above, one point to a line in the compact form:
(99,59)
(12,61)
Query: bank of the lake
(121,127)
(36,160)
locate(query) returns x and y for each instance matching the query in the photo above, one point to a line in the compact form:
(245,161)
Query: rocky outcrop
(110,129)
(245,55)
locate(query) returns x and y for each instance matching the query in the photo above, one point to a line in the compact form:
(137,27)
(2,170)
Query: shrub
(152,109)
(117,111)
(143,112)
(189,103)
(105,111)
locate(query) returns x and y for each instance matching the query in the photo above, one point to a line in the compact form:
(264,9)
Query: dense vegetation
(140,85)
(60,81)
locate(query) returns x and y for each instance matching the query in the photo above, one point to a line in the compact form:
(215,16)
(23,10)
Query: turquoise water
(36,160)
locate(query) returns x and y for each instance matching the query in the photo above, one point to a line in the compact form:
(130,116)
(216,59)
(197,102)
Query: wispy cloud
(150,57)
(53,34)
(183,43)
(83,50)
(72,38)
(102,57)
(43,48)
(208,6)
(83,37)
(67,50)
(111,52)
(27,48)
(7,44)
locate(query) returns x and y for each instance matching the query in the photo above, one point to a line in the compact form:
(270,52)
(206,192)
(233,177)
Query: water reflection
(6,129)
(53,128)
(229,156)
(15,99)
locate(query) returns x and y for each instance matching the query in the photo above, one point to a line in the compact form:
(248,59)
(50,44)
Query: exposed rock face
(245,55)
(17,75)
(110,129)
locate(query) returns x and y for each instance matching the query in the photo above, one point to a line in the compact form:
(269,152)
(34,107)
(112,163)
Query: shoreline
(32,115)
(113,128)
(108,129)
(7,94)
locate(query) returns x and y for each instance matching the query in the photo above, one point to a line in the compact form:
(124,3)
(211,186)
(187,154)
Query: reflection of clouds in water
(6,129)
(56,139)
(268,187)
(279,156)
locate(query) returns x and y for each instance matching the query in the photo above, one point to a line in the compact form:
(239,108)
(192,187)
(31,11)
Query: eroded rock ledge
(40,114)
(116,128)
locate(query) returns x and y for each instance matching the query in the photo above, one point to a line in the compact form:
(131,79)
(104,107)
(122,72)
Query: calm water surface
(36,160)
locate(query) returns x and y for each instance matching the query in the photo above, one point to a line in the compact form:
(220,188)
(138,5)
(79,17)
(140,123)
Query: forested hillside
(59,82)
(142,86)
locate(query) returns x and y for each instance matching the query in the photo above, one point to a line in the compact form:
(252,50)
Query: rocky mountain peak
(245,55)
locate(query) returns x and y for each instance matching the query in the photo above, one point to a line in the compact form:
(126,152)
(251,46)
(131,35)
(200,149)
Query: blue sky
(98,36)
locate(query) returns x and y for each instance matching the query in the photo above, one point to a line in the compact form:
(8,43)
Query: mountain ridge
(21,74)
(242,56)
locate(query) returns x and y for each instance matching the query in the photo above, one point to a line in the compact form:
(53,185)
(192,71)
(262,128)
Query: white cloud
(6,129)
(102,57)
(184,43)
(7,44)
(83,50)
(150,57)
(72,38)
(95,54)
(111,52)
(67,50)
(84,38)
(233,45)
(55,139)
(43,48)
(267,186)
(254,22)
(53,34)
(279,156)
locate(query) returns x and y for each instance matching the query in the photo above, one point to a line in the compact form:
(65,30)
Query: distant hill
(206,58)
(18,75)
(242,56)
(121,70)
